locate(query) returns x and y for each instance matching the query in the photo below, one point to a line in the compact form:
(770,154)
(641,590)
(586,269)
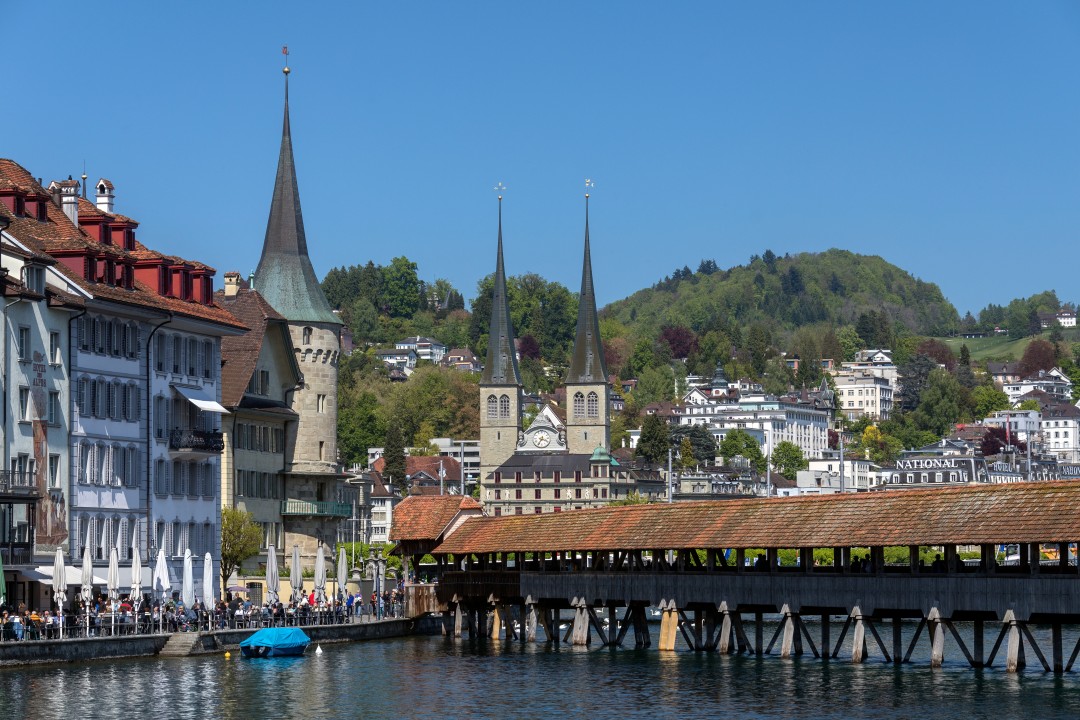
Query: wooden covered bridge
(715,571)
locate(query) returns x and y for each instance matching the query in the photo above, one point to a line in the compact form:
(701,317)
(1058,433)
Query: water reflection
(438,677)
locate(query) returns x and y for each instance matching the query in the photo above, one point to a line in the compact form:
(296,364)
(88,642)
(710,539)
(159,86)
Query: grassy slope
(1001,347)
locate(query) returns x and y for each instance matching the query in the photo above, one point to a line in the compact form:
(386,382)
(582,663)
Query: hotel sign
(930,464)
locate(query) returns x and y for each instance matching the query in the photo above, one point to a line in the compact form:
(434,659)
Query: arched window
(579,405)
(492,406)
(593,405)
(307,336)
(504,406)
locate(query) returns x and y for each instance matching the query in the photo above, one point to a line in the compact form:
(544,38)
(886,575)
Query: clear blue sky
(942,136)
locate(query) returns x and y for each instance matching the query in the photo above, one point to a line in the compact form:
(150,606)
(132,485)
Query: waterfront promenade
(180,644)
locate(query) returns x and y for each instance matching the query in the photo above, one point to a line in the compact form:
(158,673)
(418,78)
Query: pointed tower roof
(285,277)
(501,367)
(587,364)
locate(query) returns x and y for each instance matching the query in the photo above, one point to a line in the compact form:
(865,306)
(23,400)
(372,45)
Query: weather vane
(499,189)
(588,184)
(285,52)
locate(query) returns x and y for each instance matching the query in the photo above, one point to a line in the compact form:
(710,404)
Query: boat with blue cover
(275,642)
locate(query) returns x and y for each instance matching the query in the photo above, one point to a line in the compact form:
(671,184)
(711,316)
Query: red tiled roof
(426,517)
(58,234)
(240,353)
(1020,512)
(428,464)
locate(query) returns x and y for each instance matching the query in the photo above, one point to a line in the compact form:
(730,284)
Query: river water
(435,677)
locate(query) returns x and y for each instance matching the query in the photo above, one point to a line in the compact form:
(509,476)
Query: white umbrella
(272,579)
(208,587)
(187,590)
(136,576)
(320,576)
(59,586)
(342,571)
(161,583)
(113,584)
(87,584)
(296,576)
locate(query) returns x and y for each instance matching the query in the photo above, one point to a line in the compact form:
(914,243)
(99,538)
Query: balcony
(207,442)
(316,509)
(18,483)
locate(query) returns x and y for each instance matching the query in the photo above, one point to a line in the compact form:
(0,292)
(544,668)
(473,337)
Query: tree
(1038,355)
(394,454)
(994,441)
(739,442)
(654,441)
(1029,405)
(632,498)
(939,351)
(686,454)
(942,404)
(787,458)
(988,400)
(850,343)
(881,447)
(241,538)
(701,439)
(401,288)
(680,339)
(914,375)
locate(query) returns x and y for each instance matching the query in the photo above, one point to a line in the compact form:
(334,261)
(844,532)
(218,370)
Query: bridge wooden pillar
(759,633)
(790,632)
(937,635)
(669,624)
(530,620)
(826,643)
(724,644)
(858,644)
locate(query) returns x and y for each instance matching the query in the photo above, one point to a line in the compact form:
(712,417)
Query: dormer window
(42,211)
(129,239)
(33,277)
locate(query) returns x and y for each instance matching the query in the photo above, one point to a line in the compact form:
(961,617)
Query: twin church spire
(587,362)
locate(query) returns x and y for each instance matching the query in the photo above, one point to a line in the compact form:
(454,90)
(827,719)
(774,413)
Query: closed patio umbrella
(272,579)
(136,577)
(87,584)
(208,587)
(296,576)
(342,572)
(59,586)
(187,589)
(113,584)
(161,583)
(320,576)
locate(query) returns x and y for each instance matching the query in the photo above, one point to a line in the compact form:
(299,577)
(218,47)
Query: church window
(579,405)
(504,406)
(492,406)
(593,405)
(307,336)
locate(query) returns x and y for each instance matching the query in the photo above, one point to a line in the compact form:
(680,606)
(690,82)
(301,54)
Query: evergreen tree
(394,454)
(654,441)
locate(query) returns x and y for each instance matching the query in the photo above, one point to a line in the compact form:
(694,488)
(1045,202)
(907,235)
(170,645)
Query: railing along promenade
(713,572)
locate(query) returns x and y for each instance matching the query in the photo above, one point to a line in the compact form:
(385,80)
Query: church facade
(548,466)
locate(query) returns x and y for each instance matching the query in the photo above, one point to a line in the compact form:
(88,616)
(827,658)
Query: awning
(200,399)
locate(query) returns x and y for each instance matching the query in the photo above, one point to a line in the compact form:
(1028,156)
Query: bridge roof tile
(426,517)
(1015,513)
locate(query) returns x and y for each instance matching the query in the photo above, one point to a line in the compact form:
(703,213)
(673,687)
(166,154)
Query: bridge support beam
(724,644)
(858,644)
(937,637)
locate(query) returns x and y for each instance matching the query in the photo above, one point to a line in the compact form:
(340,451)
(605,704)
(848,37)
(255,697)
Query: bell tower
(588,424)
(500,384)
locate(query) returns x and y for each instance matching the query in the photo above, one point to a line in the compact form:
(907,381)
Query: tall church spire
(587,364)
(285,276)
(501,367)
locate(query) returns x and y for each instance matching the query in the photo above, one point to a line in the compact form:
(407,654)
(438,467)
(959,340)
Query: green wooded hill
(784,293)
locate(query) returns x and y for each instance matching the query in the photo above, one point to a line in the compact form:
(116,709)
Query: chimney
(105,198)
(66,192)
(232,283)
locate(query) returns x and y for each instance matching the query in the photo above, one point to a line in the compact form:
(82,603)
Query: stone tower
(286,279)
(500,385)
(587,402)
